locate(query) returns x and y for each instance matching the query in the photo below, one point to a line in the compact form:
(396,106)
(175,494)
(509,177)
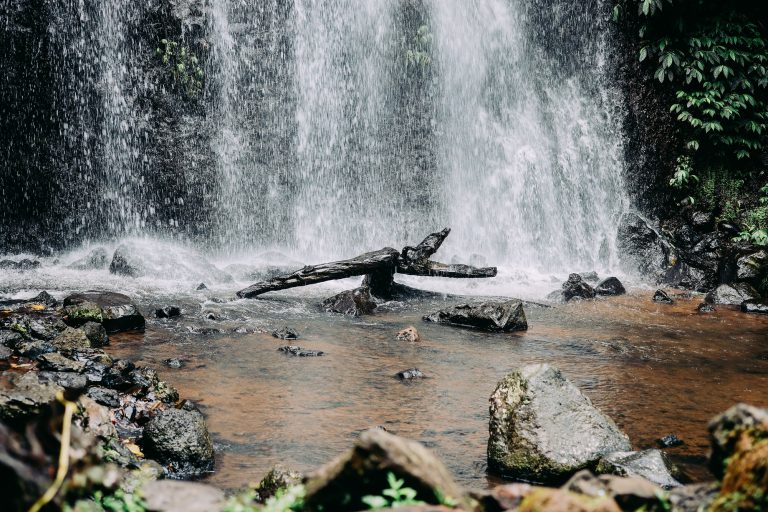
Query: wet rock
(180,441)
(34,349)
(276,479)
(173,363)
(10,338)
(5,353)
(96,334)
(641,247)
(65,379)
(341,484)
(285,333)
(21,265)
(669,441)
(649,464)
(752,266)
(201,286)
(753,306)
(590,277)
(151,386)
(630,493)
(115,311)
(107,397)
(24,396)
(745,481)
(409,334)
(124,264)
(177,496)
(300,352)
(116,376)
(410,374)
(576,288)
(610,286)
(148,471)
(543,429)
(488,316)
(693,498)
(97,259)
(168,312)
(732,295)
(58,363)
(45,299)
(705,308)
(561,500)
(702,221)
(662,297)
(355,302)
(726,429)
(72,339)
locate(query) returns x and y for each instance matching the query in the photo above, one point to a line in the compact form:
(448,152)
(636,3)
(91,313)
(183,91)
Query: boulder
(355,302)
(150,385)
(610,286)
(753,306)
(34,349)
(731,294)
(705,308)
(24,396)
(543,429)
(662,297)
(176,496)
(726,429)
(97,259)
(590,277)
(10,338)
(168,312)
(488,316)
(45,299)
(410,374)
(72,339)
(341,484)
(115,311)
(58,363)
(66,379)
(96,333)
(752,266)
(285,333)
(649,464)
(21,265)
(408,334)
(576,288)
(179,440)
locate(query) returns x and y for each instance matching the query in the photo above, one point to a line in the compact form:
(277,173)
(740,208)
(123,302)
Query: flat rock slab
(115,311)
(649,464)
(543,429)
(496,316)
(177,496)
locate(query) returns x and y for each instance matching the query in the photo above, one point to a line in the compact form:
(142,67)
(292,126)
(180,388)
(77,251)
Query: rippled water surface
(656,369)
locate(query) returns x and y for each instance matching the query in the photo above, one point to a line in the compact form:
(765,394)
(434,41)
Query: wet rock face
(355,302)
(180,441)
(731,295)
(115,311)
(576,288)
(610,286)
(641,247)
(543,429)
(488,316)
(341,484)
(649,464)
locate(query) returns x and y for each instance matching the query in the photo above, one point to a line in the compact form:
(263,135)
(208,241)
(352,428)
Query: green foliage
(756,222)
(183,72)
(394,497)
(419,53)
(684,178)
(286,500)
(119,501)
(716,58)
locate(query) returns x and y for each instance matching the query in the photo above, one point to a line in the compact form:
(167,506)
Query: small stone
(72,339)
(173,363)
(67,380)
(5,353)
(276,479)
(58,363)
(669,441)
(410,374)
(168,312)
(10,338)
(96,333)
(34,349)
(44,298)
(409,334)
(662,297)
(285,333)
(300,352)
(201,286)
(705,308)
(104,396)
(177,496)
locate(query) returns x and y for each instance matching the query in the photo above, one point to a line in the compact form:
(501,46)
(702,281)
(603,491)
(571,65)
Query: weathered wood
(437,269)
(368,263)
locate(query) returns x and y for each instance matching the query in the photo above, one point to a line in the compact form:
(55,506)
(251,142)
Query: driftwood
(378,267)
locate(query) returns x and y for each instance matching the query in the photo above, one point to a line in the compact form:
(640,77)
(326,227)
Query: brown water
(656,369)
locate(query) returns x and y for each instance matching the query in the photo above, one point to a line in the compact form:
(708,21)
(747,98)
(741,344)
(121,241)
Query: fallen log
(378,267)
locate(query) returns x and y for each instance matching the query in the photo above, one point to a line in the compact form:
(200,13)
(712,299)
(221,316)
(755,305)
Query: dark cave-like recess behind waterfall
(323,127)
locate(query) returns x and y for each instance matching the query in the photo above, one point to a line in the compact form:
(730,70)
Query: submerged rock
(649,464)
(285,333)
(410,374)
(731,294)
(662,297)
(22,265)
(543,429)
(753,306)
(576,288)
(173,362)
(168,312)
(115,311)
(179,440)
(610,286)
(409,334)
(355,302)
(488,316)
(300,352)
(341,484)
(705,308)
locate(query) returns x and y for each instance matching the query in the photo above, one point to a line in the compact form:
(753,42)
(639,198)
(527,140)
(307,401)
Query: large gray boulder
(488,316)
(179,440)
(355,302)
(543,429)
(731,294)
(115,311)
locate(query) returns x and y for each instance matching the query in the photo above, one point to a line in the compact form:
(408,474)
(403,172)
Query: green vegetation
(394,497)
(286,500)
(713,57)
(183,72)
